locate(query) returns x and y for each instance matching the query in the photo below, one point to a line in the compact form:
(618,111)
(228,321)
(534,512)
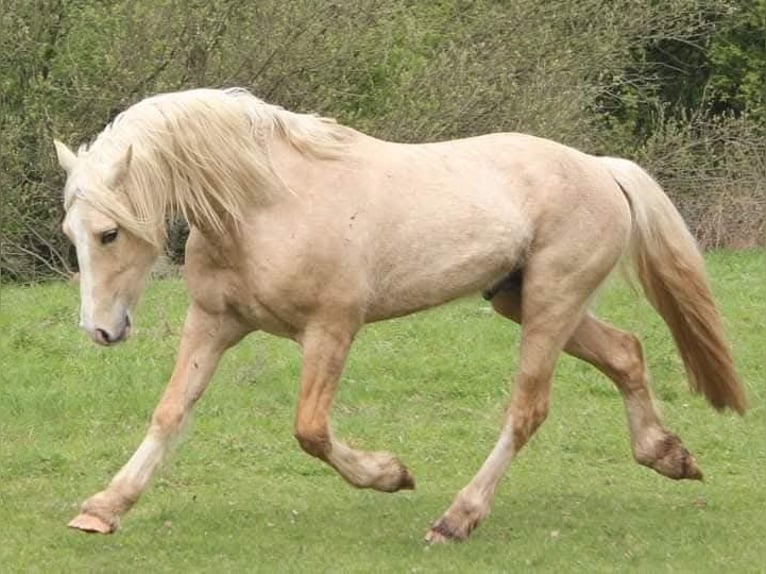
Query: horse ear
(66,156)
(120,168)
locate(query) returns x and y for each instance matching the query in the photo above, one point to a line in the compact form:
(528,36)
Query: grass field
(240,495)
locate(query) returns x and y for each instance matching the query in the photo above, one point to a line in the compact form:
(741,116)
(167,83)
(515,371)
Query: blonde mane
(202,154)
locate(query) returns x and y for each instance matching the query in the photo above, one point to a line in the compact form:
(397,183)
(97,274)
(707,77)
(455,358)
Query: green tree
(639,79)
(737,62)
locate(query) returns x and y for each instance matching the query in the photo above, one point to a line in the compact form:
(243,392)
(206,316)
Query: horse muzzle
(108,338)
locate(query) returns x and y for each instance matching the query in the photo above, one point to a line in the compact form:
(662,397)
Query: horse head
(113,261)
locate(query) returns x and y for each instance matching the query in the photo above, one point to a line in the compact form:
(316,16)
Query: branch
(37,256)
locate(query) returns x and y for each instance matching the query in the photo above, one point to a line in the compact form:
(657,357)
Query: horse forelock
(203,154)
(116,205)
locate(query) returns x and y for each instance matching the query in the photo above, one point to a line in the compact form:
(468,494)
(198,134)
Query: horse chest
(234,292)
(262,316)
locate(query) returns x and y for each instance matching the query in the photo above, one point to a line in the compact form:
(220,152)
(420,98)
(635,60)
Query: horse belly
(439,263)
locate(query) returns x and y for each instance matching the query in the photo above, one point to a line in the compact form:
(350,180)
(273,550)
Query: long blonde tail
(671,270)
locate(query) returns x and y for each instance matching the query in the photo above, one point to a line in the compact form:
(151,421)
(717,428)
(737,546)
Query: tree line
(677,85)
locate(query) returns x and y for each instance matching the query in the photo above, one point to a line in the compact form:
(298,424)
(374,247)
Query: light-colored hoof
(90,523)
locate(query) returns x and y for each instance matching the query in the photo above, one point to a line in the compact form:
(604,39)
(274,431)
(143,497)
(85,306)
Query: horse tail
(671,270)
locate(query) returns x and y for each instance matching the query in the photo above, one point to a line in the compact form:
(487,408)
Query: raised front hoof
(672,459)
(443,532)
(406,480)
(92,524)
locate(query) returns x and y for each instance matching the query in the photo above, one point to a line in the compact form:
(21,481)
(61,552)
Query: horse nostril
(103,336)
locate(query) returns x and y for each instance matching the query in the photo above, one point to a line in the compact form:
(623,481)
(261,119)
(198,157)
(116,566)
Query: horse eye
(108,236)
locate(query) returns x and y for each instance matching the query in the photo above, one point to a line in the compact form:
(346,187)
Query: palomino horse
(308,229)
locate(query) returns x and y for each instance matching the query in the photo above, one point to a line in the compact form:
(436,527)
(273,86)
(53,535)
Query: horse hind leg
(618,355)
(553,305)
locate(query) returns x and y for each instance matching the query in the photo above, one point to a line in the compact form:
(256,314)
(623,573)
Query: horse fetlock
(394,476)
(376,470)
(669,457)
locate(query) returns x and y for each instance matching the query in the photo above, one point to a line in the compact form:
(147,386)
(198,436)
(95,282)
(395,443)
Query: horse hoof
(406,480)
(672,459)
(442,533)
(692,471)
(434,537)
(90,523)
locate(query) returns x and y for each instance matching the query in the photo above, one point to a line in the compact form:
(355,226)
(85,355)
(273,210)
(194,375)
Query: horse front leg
(205,338)
(324,356)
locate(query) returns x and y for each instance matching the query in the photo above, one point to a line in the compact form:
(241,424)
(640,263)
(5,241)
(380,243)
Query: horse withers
(308,229)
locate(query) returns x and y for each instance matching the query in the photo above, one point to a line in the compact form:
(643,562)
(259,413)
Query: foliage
(738,62)
(713,64)
(715,170)
(240,495)
(605,77)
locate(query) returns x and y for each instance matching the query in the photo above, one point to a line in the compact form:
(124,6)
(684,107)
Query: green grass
(241,496)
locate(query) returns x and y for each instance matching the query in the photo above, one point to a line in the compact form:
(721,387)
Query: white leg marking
(472,503)
(490,473)
(137,472)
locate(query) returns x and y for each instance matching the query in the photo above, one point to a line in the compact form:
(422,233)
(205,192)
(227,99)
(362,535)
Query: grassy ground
(241,496)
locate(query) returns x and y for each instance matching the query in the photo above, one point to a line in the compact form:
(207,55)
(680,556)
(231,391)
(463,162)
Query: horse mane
(203,154)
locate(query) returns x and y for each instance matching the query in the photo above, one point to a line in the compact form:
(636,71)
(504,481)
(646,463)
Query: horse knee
(316,443)
(626,362)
